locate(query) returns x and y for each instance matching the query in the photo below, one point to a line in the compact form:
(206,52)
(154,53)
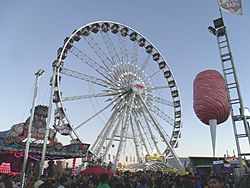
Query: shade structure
(97,170)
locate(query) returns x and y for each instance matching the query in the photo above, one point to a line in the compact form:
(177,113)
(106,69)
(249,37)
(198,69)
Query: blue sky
(32,31)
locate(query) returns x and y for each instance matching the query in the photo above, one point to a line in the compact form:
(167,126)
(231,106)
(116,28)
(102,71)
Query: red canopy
(97,170)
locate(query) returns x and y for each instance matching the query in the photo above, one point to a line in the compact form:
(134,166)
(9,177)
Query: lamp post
(56,66)
(239,114)
(37,74)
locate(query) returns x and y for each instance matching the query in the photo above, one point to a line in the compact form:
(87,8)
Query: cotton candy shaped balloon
(210,101)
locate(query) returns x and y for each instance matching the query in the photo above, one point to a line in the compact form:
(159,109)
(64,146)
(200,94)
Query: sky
(32,31)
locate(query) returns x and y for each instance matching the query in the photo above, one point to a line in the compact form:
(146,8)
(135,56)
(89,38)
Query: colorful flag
(232,6)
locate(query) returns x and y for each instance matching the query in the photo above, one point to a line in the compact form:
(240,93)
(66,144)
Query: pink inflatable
(210,97)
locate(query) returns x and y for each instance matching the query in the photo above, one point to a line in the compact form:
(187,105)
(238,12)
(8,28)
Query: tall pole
(56,64)
(234,95)
(25,159)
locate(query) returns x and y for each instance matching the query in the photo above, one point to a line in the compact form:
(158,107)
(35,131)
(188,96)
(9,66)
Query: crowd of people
(128,180)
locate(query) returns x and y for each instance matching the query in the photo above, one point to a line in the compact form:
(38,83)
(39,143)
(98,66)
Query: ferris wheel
(113,89)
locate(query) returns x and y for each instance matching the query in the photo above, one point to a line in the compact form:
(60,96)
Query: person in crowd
(63,182)
(119,184)
(103,181)
(187,181)
(38,183)
(53,182)
(95,180)
(127,182)
(91,184)
(179,181)
(46,184)
(244,182)
(230,181)
(198,182)
(143,183)
(215,182)
(6,184)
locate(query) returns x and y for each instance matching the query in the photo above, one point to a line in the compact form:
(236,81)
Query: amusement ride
(111,83)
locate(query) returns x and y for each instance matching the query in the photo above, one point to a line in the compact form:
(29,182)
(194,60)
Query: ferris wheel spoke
(124,127)
(99,52)
(97,95)
(137,140)
(103,136)
(85,77)
(155,123)
(90,62)
(140,130)
(148,127)
(165,139)
(136,143)
(145,137)
(133,65)
(145,63)
(108,126)
(119,105)
(160,100)
(93,116)
(156,88)
(96,114)
(123,49)
(117,126)
(110,46)
(134,57)
(114,119)
(161,114)
(165,135)
(120,73)
(154,74)
(125,60)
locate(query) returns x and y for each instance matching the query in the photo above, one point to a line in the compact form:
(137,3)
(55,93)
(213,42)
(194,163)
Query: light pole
(239,113)
(25,158)
(56,66)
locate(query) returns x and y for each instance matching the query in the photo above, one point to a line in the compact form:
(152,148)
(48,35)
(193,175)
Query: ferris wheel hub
(138,88)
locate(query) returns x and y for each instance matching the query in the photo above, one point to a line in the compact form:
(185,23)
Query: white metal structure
(239,113)
(38,74)
(112,84)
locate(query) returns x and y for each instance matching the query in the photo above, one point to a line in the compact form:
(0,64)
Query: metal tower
(239,113)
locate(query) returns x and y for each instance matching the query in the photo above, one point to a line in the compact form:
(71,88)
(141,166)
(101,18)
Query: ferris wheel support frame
(164,138)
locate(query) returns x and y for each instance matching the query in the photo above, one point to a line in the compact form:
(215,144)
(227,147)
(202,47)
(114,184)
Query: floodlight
(218,23)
